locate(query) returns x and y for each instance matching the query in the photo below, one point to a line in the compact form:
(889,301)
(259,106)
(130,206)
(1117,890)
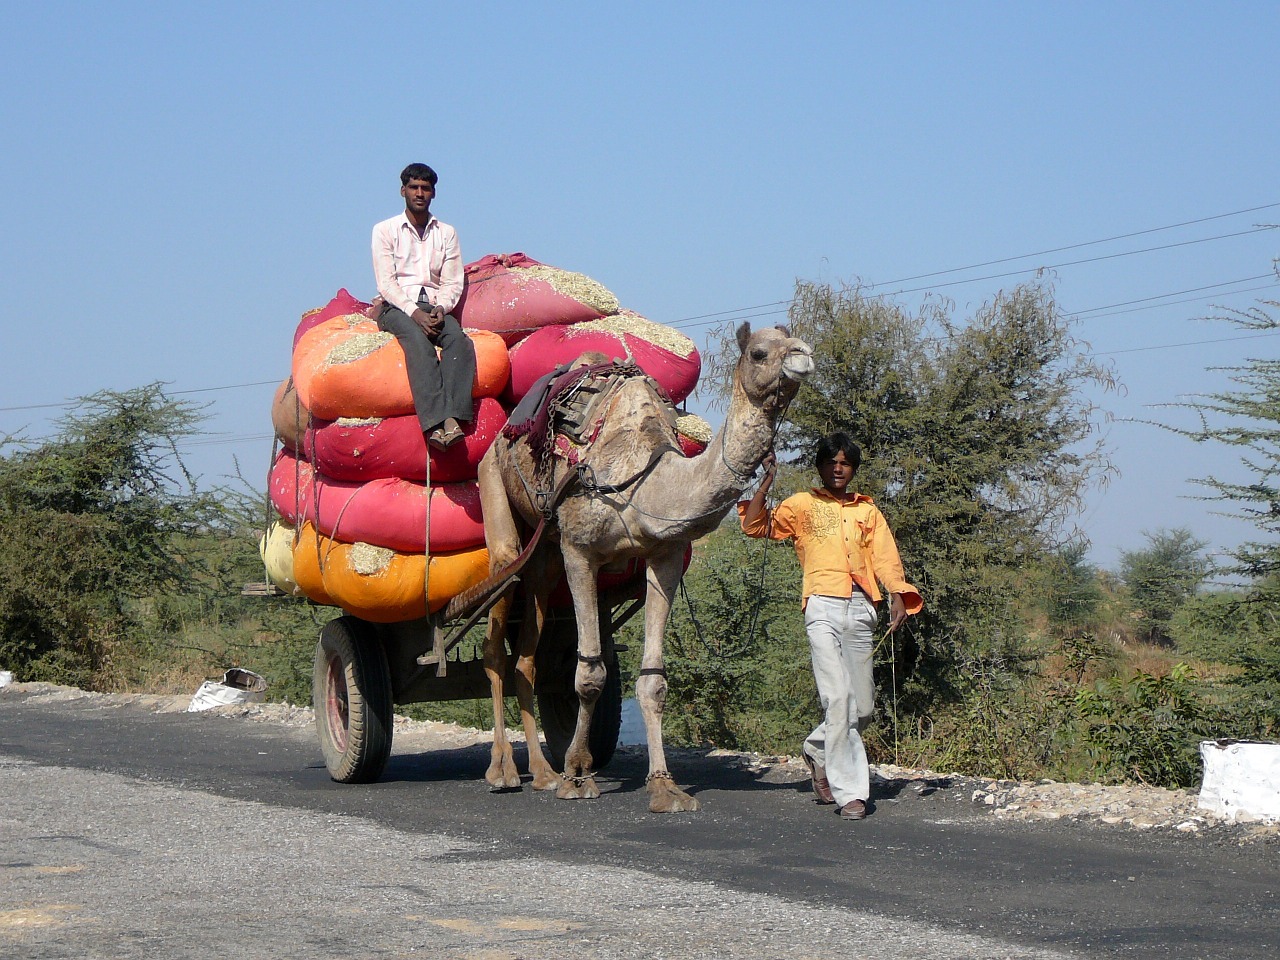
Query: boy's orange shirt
(839,544)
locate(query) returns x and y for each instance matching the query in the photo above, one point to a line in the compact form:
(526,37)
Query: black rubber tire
(558,711)
(351,694)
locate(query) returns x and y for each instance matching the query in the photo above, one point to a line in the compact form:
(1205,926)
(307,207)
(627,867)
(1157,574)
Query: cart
(363,670)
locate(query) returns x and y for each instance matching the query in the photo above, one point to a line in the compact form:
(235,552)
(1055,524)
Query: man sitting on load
(418,268)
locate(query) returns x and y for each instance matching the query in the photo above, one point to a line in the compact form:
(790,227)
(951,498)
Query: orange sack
(378,584)
(347,367)
(289,417)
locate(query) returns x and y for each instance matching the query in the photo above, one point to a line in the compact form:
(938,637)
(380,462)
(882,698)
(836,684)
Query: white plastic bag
(1241,779)
(236,686)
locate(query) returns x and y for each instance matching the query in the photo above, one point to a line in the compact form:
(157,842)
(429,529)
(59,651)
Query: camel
(666,502)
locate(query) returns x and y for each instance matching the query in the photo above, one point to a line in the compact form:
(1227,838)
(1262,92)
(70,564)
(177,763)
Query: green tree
(978,442)
(1163,576)
(88,523)
(1246,419)
(1069,591)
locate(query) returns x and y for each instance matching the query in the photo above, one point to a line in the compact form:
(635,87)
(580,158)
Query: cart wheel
(558,711)
(351,692)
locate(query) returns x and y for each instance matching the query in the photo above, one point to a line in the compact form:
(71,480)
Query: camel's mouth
(798,363)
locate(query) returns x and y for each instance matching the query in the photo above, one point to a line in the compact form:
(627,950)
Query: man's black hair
(418,171)
(838,442)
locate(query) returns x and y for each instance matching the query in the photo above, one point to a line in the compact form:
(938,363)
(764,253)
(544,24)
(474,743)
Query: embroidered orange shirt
(839,544)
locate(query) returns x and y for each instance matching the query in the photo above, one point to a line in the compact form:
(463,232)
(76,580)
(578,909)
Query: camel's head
(772,365)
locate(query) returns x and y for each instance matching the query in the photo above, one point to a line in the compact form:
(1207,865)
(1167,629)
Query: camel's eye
(759,354)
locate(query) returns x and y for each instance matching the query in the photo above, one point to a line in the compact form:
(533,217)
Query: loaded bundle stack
(373,519)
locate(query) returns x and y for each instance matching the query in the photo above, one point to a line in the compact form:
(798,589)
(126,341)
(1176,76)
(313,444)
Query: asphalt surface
(128,833)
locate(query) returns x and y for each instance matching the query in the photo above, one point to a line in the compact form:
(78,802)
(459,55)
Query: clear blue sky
(184,181)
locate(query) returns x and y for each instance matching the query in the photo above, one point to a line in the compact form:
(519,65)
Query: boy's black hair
(838,442)
(418,171)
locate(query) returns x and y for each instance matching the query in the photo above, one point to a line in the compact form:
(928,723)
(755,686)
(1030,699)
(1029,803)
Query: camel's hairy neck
(686,498)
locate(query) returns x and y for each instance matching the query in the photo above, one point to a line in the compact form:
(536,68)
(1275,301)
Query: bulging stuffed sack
(347,367)
(514,295)
(382,585)
(388,512)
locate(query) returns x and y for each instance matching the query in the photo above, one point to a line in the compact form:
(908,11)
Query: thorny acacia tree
(88,525)
(978,442)
(1247,418)
(1242,627)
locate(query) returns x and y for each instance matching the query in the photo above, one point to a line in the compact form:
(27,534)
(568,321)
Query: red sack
(694,433)
(394,447)
(662,352)
(341,304)
(514,295)
(630,574)
(386,513)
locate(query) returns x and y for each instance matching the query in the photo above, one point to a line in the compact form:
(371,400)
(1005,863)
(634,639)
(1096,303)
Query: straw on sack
(379,584)
(347,367)
(389,512)
(662,352)
(372,448)
(513,295)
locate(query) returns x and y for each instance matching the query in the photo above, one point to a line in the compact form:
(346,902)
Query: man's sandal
(443,439)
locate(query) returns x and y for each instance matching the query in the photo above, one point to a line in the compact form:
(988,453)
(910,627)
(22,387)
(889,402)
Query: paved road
(127,833)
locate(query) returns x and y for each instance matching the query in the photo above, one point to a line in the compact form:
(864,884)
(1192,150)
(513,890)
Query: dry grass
(576,285)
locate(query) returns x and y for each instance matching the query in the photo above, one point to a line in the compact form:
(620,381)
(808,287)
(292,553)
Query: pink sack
(514,295)
(341,304)
(370,449)
(663,352)
(388,513)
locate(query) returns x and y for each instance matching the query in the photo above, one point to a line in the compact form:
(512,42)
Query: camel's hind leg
(544,570)
(503,542)
(663,576)
(502,773)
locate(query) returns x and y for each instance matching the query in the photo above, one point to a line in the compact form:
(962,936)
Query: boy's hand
(897,612)
(770,466)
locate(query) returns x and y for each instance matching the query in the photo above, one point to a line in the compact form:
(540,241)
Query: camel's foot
(546,779)
(502,773)
(577,788)
(666,797)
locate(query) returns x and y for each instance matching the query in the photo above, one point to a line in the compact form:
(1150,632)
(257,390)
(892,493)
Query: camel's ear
(786,330)
(744,334)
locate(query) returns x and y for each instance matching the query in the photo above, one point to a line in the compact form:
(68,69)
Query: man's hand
(897,612)
(374,310)
(430,319)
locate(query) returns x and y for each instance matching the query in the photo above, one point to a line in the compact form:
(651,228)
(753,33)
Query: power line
(763,310)
(1178,293)
(1171,303)
(1191,343)
(1087,243)
(175,393)
(1023,256)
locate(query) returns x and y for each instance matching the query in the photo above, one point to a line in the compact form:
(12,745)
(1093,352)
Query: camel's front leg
(663,579)
(543,572)
(588,679)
